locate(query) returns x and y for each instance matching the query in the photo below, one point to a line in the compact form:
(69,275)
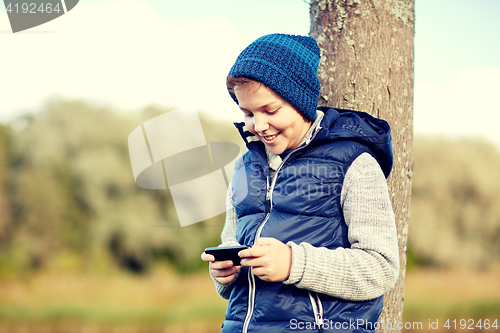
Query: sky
(127,54)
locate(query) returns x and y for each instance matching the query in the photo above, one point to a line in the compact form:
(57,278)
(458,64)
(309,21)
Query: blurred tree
(367,64)
(455,211)
(5,159)
(75,194)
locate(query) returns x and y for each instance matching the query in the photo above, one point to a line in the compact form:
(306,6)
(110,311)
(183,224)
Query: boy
(315,206)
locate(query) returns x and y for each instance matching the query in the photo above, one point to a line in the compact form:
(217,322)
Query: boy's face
(271,118)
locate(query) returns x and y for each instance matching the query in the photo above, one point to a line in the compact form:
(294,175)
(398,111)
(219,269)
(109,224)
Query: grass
(165,302)
(159,300)
(452,294)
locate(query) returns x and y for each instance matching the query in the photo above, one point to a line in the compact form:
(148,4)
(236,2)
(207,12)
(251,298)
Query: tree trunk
(367,65)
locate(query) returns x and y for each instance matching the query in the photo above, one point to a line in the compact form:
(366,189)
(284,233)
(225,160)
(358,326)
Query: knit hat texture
(288,64)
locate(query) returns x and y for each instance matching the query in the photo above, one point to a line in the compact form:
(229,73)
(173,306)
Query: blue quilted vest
(302,206)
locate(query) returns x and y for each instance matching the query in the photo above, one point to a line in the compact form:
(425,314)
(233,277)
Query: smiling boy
(271,118)
(309,196)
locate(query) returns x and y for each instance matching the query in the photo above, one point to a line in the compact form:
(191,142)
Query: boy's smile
(271,118)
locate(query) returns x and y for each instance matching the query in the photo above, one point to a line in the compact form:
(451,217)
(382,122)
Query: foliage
(455,217)
(5,157)
(73,192)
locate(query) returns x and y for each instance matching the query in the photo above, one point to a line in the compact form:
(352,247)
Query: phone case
(226,253)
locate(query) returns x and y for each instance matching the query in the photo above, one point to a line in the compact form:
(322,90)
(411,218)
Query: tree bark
(367,65)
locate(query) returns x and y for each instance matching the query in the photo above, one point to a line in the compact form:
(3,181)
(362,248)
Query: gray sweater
(366,270)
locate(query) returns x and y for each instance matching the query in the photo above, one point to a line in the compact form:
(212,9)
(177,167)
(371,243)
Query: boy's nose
(260,123)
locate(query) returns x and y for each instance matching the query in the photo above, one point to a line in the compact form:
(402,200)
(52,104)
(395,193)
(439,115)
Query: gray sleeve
(228,236)
(371,266)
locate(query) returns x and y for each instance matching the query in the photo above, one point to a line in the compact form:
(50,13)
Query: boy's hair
(232,82)
(287,64)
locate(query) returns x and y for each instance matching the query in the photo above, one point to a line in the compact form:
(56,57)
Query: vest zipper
(251,281)
(317,309)
(251,299)
(269,196)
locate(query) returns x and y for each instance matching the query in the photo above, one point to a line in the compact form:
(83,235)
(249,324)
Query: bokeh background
(83,249)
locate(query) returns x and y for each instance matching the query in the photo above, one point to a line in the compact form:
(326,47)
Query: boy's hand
(222,271)
(270,258)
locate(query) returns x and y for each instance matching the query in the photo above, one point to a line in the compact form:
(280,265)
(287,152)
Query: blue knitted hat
(288,64)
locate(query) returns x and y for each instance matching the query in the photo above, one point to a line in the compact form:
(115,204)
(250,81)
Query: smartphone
(223,253)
